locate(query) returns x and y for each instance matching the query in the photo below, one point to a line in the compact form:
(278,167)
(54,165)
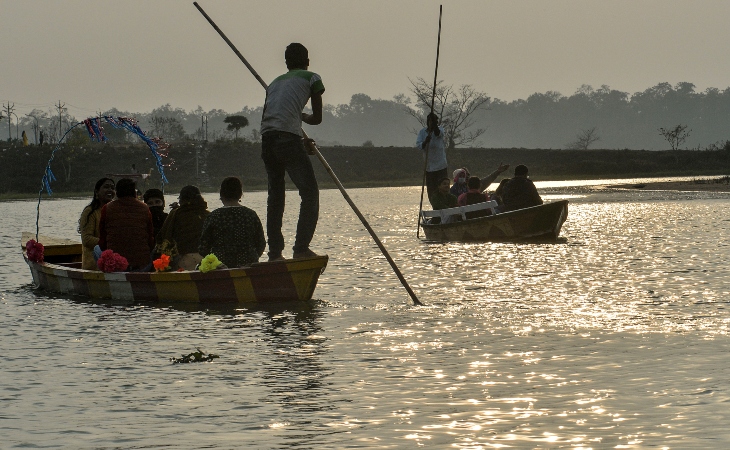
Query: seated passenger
(182,228)
(520,192)
(89,222)
(473,196)
(461,176)
(441,198)
(126,226)
(155,200)
(497,195)
(233,233)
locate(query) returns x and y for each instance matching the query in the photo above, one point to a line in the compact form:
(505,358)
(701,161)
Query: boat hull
(281,281)
(538,222)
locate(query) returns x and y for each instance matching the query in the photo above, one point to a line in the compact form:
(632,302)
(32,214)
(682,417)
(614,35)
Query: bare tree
(675,136)
(455,107)
(584,139)
(168,127)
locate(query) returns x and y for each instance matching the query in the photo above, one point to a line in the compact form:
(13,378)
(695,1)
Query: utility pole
(61,109)
(17,136)
(9,110)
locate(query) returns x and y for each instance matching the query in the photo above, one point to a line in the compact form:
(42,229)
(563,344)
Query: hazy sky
(136,55)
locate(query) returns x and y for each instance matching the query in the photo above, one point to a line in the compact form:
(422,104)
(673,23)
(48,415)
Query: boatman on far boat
(283,149)
(431,140)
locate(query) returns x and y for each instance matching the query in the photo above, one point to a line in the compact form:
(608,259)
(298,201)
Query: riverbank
(704,184)
(712,184)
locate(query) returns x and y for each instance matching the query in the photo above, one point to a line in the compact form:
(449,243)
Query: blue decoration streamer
(156,145)
(96,133)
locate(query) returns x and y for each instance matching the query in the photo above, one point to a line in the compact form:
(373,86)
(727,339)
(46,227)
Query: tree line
(590,118)
(78,166)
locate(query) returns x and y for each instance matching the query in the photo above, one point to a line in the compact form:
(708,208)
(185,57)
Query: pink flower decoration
(112,262)
(34,250)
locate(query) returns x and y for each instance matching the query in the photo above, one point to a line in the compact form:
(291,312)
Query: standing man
(282,149)
(432,138)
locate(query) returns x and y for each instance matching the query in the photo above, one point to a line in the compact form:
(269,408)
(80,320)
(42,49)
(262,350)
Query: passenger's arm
(205,243)
(536,196)
(260,238)
(489,179)
(88,239)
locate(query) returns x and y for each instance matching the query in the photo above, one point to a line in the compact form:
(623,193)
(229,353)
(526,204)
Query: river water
(616,336)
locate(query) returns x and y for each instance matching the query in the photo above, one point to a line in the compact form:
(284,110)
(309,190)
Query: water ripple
(613,336)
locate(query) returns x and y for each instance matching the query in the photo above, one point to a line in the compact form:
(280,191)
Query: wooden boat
(537,222)
(289,280)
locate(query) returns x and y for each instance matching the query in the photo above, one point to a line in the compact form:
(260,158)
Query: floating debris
(198,356)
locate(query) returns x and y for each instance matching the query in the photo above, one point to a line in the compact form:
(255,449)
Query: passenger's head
(521,170)
(296,56)
(104,190)
(154,197)
(126,188)
(444,185)
(103,194)
(474,183)
(461,175)
(189,194)
(231,189)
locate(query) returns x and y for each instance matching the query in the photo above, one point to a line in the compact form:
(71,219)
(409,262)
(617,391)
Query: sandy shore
(700,184)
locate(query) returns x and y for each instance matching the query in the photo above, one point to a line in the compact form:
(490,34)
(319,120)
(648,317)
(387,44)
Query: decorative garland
(34,250)
(93,125)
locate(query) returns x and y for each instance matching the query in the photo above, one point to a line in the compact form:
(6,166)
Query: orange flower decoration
(162,264)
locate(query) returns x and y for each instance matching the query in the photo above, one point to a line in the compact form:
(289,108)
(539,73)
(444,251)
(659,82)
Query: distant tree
(675,136)
(168,128)
(235,123)
(75,142)
(368,143)
(584,139)
(33,119)
(255,136)
(455,107)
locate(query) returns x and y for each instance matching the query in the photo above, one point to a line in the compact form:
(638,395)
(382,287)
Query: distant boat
(537,222)
(281,281)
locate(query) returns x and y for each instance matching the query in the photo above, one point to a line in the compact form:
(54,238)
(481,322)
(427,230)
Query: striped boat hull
(290,280)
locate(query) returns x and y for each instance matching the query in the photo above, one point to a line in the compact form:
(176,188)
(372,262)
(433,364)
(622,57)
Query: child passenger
(181,230)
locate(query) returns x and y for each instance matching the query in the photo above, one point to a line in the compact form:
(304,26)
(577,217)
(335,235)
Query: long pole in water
(314,150)
(428,146)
